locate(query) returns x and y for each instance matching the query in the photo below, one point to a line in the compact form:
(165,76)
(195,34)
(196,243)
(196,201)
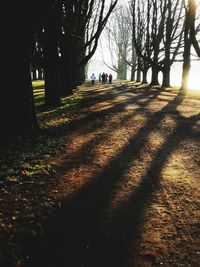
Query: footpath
(127,185)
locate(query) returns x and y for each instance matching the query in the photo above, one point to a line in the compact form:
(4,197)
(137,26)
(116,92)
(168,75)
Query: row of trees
(58,36)
(151,34)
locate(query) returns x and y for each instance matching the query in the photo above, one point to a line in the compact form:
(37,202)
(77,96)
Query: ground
(125,191)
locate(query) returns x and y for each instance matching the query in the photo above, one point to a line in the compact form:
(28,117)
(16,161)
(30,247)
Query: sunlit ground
(123,173)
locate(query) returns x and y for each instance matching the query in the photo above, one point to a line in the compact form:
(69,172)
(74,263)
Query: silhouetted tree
(83,22)
(189,40)
(117,41)
(17,108)
(157,34)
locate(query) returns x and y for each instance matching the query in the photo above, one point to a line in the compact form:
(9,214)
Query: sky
(97,66)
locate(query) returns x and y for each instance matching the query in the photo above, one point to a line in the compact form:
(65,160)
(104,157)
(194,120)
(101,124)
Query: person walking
(110,78)
(100,77)
(103,78)
(106,77)
(93,78)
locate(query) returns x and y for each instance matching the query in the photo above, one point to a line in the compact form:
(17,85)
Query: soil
(126,192)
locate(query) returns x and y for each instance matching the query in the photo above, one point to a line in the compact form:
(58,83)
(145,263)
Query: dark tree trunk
(66,79)
(17,109)
(40,74)
(80,76)
(51,62)
(17,114)
(144,75)
(133,73)
(154,76)
(18,106)
(166,76)
(138,77)
(51,85)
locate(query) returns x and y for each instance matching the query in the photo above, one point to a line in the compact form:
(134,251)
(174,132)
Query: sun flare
(194,83)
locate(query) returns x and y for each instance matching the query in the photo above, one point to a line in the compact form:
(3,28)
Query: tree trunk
(80,76)
(154,76)
(121,68)
(17,106)
(133,73)
(66,84)
(186,70)
(40,73)
(17,109)
(166,76)
(51,85)
(51,64)
(186,54)
(144,75)
(138,77)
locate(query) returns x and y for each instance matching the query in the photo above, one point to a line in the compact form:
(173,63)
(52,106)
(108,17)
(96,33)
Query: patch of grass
(26,171)
(26,157)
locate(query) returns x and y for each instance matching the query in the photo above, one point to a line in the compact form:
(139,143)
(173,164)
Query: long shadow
(130,213)
(88,118)
(76,235)
(110,93)
(82,152)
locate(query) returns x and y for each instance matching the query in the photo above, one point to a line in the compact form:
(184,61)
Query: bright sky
(97,66)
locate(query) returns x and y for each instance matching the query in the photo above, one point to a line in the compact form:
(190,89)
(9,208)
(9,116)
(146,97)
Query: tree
(157,35)
(189,40)
(17,105)
(49,35)
(82,25)
(172,37)
(117,40)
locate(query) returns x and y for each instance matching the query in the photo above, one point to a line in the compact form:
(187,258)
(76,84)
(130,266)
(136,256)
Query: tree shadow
(93,99)
(79,234)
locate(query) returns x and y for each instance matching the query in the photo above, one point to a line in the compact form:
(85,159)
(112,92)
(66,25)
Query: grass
(26,169)
(25,160)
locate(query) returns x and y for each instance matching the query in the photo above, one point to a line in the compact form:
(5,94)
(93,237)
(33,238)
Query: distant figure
(100,77)
(93,78)
(106,79)
(103,78)
(110,78)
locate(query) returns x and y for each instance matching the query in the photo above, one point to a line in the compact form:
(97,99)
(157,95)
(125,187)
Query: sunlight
(194,83)
(194,78)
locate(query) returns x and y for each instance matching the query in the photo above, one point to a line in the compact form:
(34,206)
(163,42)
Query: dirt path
(127,185)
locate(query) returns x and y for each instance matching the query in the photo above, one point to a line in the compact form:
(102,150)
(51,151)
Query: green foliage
(27,158)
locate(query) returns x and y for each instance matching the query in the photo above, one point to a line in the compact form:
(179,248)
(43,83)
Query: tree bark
(40,74)
(166,75)
(154,76)
(186,66)
(144,75)
(133,73)
(17,109)
(186,53)
(51,60)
